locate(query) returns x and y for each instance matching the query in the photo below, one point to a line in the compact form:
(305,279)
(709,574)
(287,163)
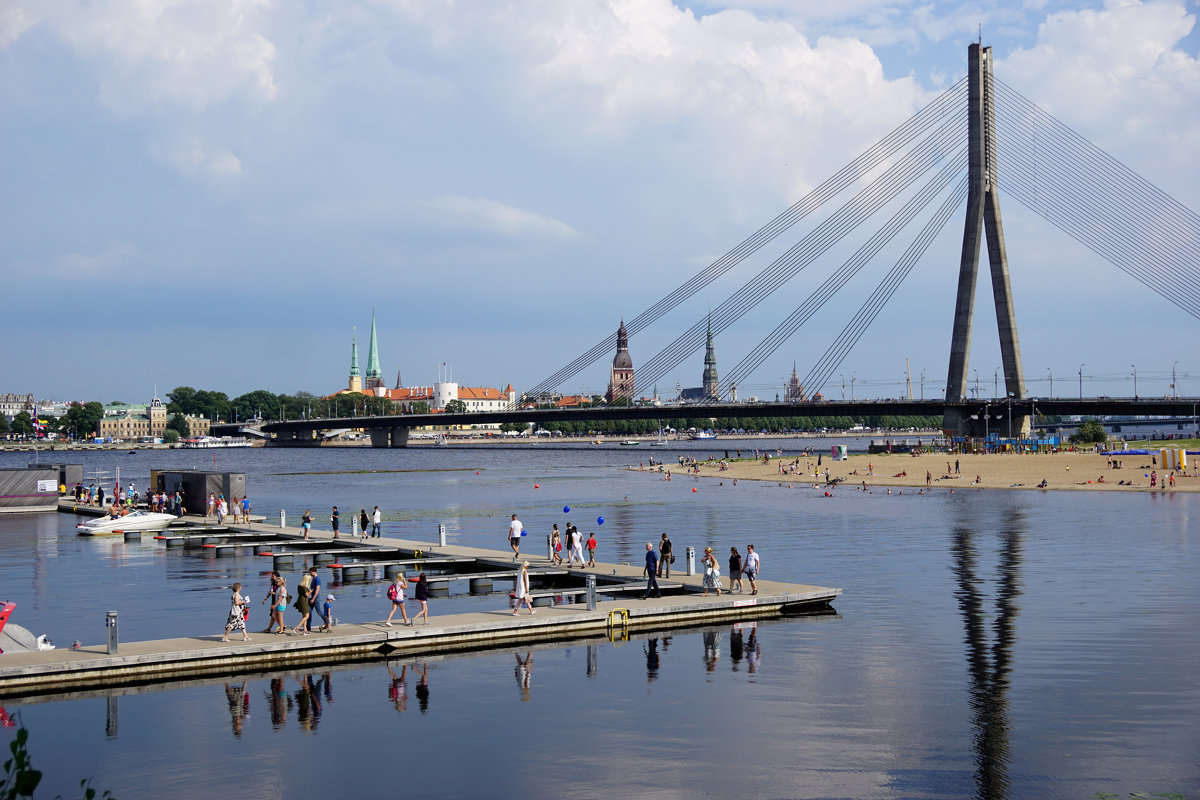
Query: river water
(989,644)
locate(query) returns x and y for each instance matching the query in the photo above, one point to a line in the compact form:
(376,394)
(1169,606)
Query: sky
(217,193)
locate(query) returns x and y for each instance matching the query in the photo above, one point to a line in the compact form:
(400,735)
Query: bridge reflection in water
(989,652)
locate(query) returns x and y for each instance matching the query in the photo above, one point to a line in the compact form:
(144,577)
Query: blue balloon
(566,509)
(599,520)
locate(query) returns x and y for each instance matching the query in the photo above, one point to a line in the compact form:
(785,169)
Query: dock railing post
(590,583)
(689,553)
(353,527)
(441,535)
(282,518)
(110,622)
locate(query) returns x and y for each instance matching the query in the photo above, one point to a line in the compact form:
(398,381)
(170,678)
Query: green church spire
(354,358)
(373,370)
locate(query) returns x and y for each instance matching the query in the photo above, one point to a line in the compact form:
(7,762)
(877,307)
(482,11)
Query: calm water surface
(989,644)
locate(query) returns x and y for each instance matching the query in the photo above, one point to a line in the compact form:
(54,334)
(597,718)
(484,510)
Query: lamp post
(843,377)
(976,384)
(852,377)
(996,383)
(1081,381)
(1134,368)
(922,384)
(1174,391)
(1051,381)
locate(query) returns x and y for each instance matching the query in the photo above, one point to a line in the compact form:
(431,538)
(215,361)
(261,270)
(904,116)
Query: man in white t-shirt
(514,536)
(751,567)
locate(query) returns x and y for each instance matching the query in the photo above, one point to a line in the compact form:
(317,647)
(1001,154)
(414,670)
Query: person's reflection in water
(753,651)
(423,689)
(308,704)
(712,650)
(735,646)
(327,686)
(279,702)
(522,673)
(652,660)
(239,706)
(398,691)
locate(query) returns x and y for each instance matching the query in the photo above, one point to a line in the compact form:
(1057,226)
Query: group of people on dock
(307,600)
(219,507)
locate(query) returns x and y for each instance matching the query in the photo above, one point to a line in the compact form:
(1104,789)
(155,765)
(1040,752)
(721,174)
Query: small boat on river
(704,435)
(138,520)
(630,443)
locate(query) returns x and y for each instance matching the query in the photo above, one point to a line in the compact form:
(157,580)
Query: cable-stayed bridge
(947,155)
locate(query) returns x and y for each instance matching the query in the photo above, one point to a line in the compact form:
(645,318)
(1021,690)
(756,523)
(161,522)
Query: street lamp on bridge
(1081,381)
(1134,368)
(1174,391)
(1051,381)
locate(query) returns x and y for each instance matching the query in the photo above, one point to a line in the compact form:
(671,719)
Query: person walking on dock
(303,589)
(270,596)
(362,523)
(376,518)
(591,548)
(246,511)
(665,551)
(306,523)
(314,597)
(735,569)
(237,614)
(422,595)
(712,572)
(650,569)
(515,531)
(575,543)
(396,593)
(752,565)
(335,519)
(327,614)
(522,589)
(556,546)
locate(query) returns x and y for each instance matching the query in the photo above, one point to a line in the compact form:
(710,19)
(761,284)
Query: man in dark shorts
(750,569)
(335,519)
(665,551)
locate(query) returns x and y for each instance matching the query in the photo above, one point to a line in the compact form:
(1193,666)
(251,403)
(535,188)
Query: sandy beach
(1060,471)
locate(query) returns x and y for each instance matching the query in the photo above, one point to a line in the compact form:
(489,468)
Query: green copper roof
(373,370)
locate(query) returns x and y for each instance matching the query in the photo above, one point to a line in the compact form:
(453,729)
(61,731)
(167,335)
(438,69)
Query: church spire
(355,382)
(373,370)
(712,390)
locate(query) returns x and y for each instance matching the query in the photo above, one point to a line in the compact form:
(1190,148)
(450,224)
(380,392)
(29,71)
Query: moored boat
(133,521)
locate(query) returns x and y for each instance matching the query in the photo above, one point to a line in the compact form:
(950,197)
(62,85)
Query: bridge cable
(868,201)
(949,102)
(1060,185)
(858,325)
(1099,205)
(786,329)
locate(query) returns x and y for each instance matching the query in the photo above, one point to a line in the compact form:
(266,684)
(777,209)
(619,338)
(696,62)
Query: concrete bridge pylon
(983,218)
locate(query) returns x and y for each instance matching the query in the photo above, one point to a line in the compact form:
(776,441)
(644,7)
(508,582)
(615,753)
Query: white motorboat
(133,521)
(701,435)
(630,443)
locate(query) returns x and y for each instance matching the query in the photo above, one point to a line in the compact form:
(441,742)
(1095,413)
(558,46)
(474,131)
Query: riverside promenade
(618,611)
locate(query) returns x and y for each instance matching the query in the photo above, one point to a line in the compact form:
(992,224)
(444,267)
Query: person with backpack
(396,594)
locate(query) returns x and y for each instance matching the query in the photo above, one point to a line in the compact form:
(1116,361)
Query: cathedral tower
(374,373)
(620,383)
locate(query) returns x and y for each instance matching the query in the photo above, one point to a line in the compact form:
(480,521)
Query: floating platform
(168,659)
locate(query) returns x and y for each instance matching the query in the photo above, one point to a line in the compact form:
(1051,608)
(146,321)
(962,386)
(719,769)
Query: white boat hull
(133,521)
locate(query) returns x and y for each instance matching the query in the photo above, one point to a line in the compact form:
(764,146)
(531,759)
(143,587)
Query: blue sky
(217,193)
